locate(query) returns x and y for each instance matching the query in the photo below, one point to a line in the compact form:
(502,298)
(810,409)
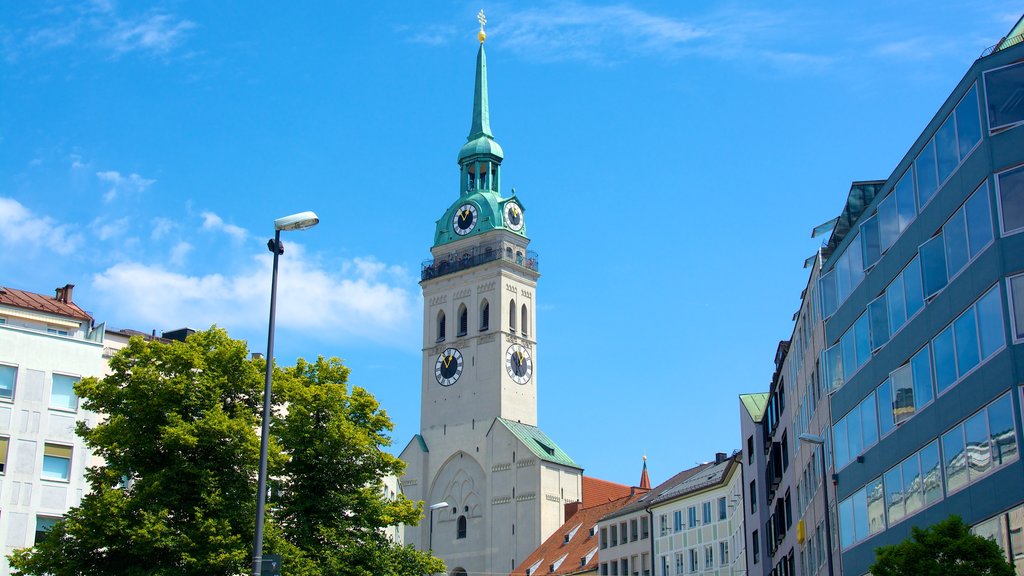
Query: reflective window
(1011,199)
(857,431)
(1002,436)
(875,506)
(990,322)
(921,366)
(62,394)
(1015,286)
(979,220)
(931,473)
(870,242)
(912,287)
(839,437)
(885,407)
(947,151)
(902,380)
(973,337)
(878,314)
(56,462)
(927,179)
(954,460)
(966,332)
(846,534)
(968,122)
(896,297)
(979,455)
(894,494)
(889,221)
(829,298)
(945,360)
(8,377)
(860,514)
(954,236)
(933,265)
(1002,95)
(913,496)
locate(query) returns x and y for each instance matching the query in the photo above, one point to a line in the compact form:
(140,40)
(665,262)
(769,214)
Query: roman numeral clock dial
(518,363)
(464,219)
(448,367)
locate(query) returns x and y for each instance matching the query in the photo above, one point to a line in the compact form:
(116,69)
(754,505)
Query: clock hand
(447,361)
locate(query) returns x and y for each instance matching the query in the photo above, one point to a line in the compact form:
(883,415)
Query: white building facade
(47,344)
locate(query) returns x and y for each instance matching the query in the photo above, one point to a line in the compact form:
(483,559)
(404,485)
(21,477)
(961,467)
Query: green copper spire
(481,115)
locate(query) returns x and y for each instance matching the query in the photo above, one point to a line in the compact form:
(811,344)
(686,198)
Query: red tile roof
(40,303)
(597,491)
(573,554)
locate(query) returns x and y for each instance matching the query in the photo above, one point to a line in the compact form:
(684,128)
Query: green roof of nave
(539,443)
(479,172)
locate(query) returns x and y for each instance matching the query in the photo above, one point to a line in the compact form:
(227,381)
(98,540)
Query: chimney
(64,294)
(571,508)
(720,457)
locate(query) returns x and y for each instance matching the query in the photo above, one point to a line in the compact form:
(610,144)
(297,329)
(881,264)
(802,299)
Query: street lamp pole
(820,442)
(430,538)
(299,221)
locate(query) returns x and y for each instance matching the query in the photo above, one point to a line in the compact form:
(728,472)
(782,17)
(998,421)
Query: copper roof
(40,303)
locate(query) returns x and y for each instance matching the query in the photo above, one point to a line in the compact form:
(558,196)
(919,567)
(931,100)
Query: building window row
(62,388)
(972,338)
(972,449)
(1002,91)
(957,137)
(963,237)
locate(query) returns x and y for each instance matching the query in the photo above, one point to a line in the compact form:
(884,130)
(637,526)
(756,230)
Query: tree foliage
(180,444)
(945,549)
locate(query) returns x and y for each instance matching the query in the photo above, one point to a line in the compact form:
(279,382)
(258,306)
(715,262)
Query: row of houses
(897,399)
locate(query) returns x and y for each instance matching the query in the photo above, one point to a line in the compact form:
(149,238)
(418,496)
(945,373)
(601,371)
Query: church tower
(503,483)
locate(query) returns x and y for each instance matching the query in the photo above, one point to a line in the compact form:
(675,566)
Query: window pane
(933,265)
(885,419)
(860,515)
(990,322)
(931,475)
(913,496)
(849,345)
(968,122)
(894,495)
(869,421)
(905,206)
(979,220)
(56,468)
(8,374)
(912,287)
(924,168)
(840,441)
(979,455)
(903,392)
(876,506)
(1011,199)
(834,367)
(953,459)
(1002,91)
(863,336)
(954,234)
(888,222)
(63,392)
(843,276)
(1002,436)
(869,240)
(966,342)
(896,298)
(921,366)
(1017,297)
(878,311)
(946,149)
(944,358)
(854,434)
(856,265)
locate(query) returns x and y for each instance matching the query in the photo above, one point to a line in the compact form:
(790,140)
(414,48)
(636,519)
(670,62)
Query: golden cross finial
(482,20)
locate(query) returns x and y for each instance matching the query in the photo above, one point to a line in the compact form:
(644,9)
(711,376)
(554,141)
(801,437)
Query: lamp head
(811,438)
(438,506)
(299,221)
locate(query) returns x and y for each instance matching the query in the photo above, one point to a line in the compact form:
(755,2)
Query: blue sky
(672,157)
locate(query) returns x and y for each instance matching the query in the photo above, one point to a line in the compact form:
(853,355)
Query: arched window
(524,325)
(512,315)
(459,572)
(508,253)
(485,315)
(440,326)
(463,320)
(460,530)
(519,258)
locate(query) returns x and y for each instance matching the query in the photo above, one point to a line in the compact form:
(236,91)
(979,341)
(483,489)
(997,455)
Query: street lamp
(819,441)
(438,506)
(300,221)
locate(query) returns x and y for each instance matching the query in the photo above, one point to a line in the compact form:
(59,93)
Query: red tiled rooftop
(597,491)
(41,303)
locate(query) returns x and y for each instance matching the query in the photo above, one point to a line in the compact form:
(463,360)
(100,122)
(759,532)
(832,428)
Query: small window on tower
(512,315)
(525,324)
(463,320)
(461,528)
(440,326)
(485,316)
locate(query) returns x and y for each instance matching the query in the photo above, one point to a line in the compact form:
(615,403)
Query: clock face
(448,367)
(513,216)
(518,363)
(464,219)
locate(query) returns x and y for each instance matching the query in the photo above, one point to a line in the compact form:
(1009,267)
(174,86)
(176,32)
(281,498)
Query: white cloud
(132,183)
(21,228)
(161,227)
(180,253)
(364,299)
(157,33)
(214,222)
(107,229)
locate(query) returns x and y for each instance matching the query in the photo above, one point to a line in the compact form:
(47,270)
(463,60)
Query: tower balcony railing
(458,261)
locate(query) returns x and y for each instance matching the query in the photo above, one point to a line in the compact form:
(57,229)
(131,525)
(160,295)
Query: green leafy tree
(180,441)
(945,549)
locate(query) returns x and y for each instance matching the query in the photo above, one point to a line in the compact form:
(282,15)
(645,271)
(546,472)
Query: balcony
(458,261)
